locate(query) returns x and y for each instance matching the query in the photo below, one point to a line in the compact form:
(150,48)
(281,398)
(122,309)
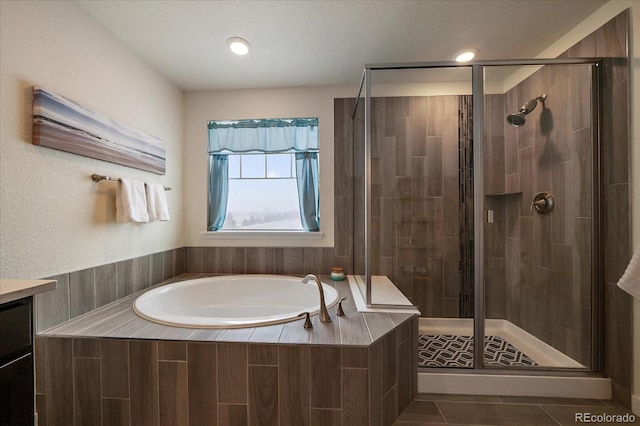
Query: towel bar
(98,178)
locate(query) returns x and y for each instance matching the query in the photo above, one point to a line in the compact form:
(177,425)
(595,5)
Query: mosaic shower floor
(457,351)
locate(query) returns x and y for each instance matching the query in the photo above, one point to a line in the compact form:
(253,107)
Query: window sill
(249,235)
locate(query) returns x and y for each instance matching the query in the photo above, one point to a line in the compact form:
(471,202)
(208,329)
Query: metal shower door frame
(477,81)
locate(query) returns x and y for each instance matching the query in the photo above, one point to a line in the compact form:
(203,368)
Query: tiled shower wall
(415,197)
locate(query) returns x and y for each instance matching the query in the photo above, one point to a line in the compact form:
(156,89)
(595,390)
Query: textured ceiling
(315,43)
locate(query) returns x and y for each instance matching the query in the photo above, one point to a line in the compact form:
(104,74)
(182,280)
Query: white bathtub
(232,301)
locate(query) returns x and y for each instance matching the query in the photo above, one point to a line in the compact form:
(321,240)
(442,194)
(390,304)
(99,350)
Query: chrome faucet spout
(324,314)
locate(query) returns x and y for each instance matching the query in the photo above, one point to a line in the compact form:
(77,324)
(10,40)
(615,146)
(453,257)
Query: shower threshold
(536,382)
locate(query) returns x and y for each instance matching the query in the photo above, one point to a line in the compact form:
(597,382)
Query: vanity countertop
(11,290)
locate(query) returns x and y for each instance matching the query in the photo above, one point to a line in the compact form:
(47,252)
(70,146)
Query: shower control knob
(542,203)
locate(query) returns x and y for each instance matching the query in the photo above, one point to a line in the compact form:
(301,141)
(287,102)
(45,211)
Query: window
(263,193)
(263,175)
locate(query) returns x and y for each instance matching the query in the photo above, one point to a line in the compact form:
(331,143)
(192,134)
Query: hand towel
(630,281)
(157,202)
(131,202)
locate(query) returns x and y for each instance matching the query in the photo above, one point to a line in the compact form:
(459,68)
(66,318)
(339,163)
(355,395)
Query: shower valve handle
(542,203)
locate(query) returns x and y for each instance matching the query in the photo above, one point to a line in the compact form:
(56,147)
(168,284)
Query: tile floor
(438,409)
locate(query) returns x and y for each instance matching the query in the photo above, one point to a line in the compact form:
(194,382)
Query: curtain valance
(272,135)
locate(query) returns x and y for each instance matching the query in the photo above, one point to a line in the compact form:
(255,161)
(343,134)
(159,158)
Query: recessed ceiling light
(238,45)
(465,55)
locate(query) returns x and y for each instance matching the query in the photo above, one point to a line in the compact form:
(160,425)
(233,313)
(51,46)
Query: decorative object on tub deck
(337,273)
(131,201)
(63,124)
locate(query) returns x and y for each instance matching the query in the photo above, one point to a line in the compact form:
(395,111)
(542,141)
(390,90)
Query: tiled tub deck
(111,367)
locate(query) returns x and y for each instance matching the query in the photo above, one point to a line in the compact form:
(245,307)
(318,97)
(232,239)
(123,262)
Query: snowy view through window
(263,192)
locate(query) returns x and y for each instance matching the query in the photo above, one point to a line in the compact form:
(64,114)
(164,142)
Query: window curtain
(300,135)
(271,135)
(218,191)
(308,190)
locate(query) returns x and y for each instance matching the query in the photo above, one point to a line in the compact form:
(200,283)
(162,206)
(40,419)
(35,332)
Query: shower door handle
(542,203)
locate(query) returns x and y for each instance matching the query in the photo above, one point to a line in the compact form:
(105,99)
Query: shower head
(517,118)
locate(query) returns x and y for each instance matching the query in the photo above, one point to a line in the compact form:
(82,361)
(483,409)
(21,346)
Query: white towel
(630,281)
(157,202)
(131,202)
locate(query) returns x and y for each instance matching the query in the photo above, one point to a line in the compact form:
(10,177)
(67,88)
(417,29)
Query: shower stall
(476,192)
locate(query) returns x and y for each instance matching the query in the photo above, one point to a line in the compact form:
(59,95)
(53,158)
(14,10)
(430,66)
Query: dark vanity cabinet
(16,363)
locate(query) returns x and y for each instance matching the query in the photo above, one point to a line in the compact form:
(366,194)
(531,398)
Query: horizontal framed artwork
(63,124)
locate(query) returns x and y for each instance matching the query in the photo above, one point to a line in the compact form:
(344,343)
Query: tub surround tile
(263,395)
(86,391)
(295,378)
(115,411)
(232,374)
(114,356)
(173,393)
(202,393)
(143,383)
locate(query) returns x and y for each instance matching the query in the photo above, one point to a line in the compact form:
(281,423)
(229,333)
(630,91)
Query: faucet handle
(307,320)
(339,311)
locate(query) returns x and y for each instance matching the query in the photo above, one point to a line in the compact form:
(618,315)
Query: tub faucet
(324,314)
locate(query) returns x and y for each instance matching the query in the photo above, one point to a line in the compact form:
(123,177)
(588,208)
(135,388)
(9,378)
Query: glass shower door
(540,227)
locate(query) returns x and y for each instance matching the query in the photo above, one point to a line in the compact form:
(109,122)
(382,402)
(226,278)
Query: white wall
(200,107)
(53,218)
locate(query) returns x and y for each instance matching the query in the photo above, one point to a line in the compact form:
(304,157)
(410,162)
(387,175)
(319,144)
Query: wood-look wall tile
(40,360)
(294,383)
(263,354)
(404,371)
(375,384)
(388,362)
(86,348)
(115,412)
(355,396)
(325,377)
(233,414)
(105,284)
(125,277)
(232,373)
(390,407)
(180,258)
(143,382)
(114,358)
(173,393)
(263,395)
(156,268)
(289,261)
(355,357)
(238,260)
(168,264)
(260,260)
(52,307)
(86,391)
(582,261)
(81,292)
(202,383)
(172,351)
(41,410)
(141,272)
(194,257)
(59,382)
(326,417)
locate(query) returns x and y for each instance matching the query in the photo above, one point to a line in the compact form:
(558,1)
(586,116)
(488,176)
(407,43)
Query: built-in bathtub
(111,366)
(232,301)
